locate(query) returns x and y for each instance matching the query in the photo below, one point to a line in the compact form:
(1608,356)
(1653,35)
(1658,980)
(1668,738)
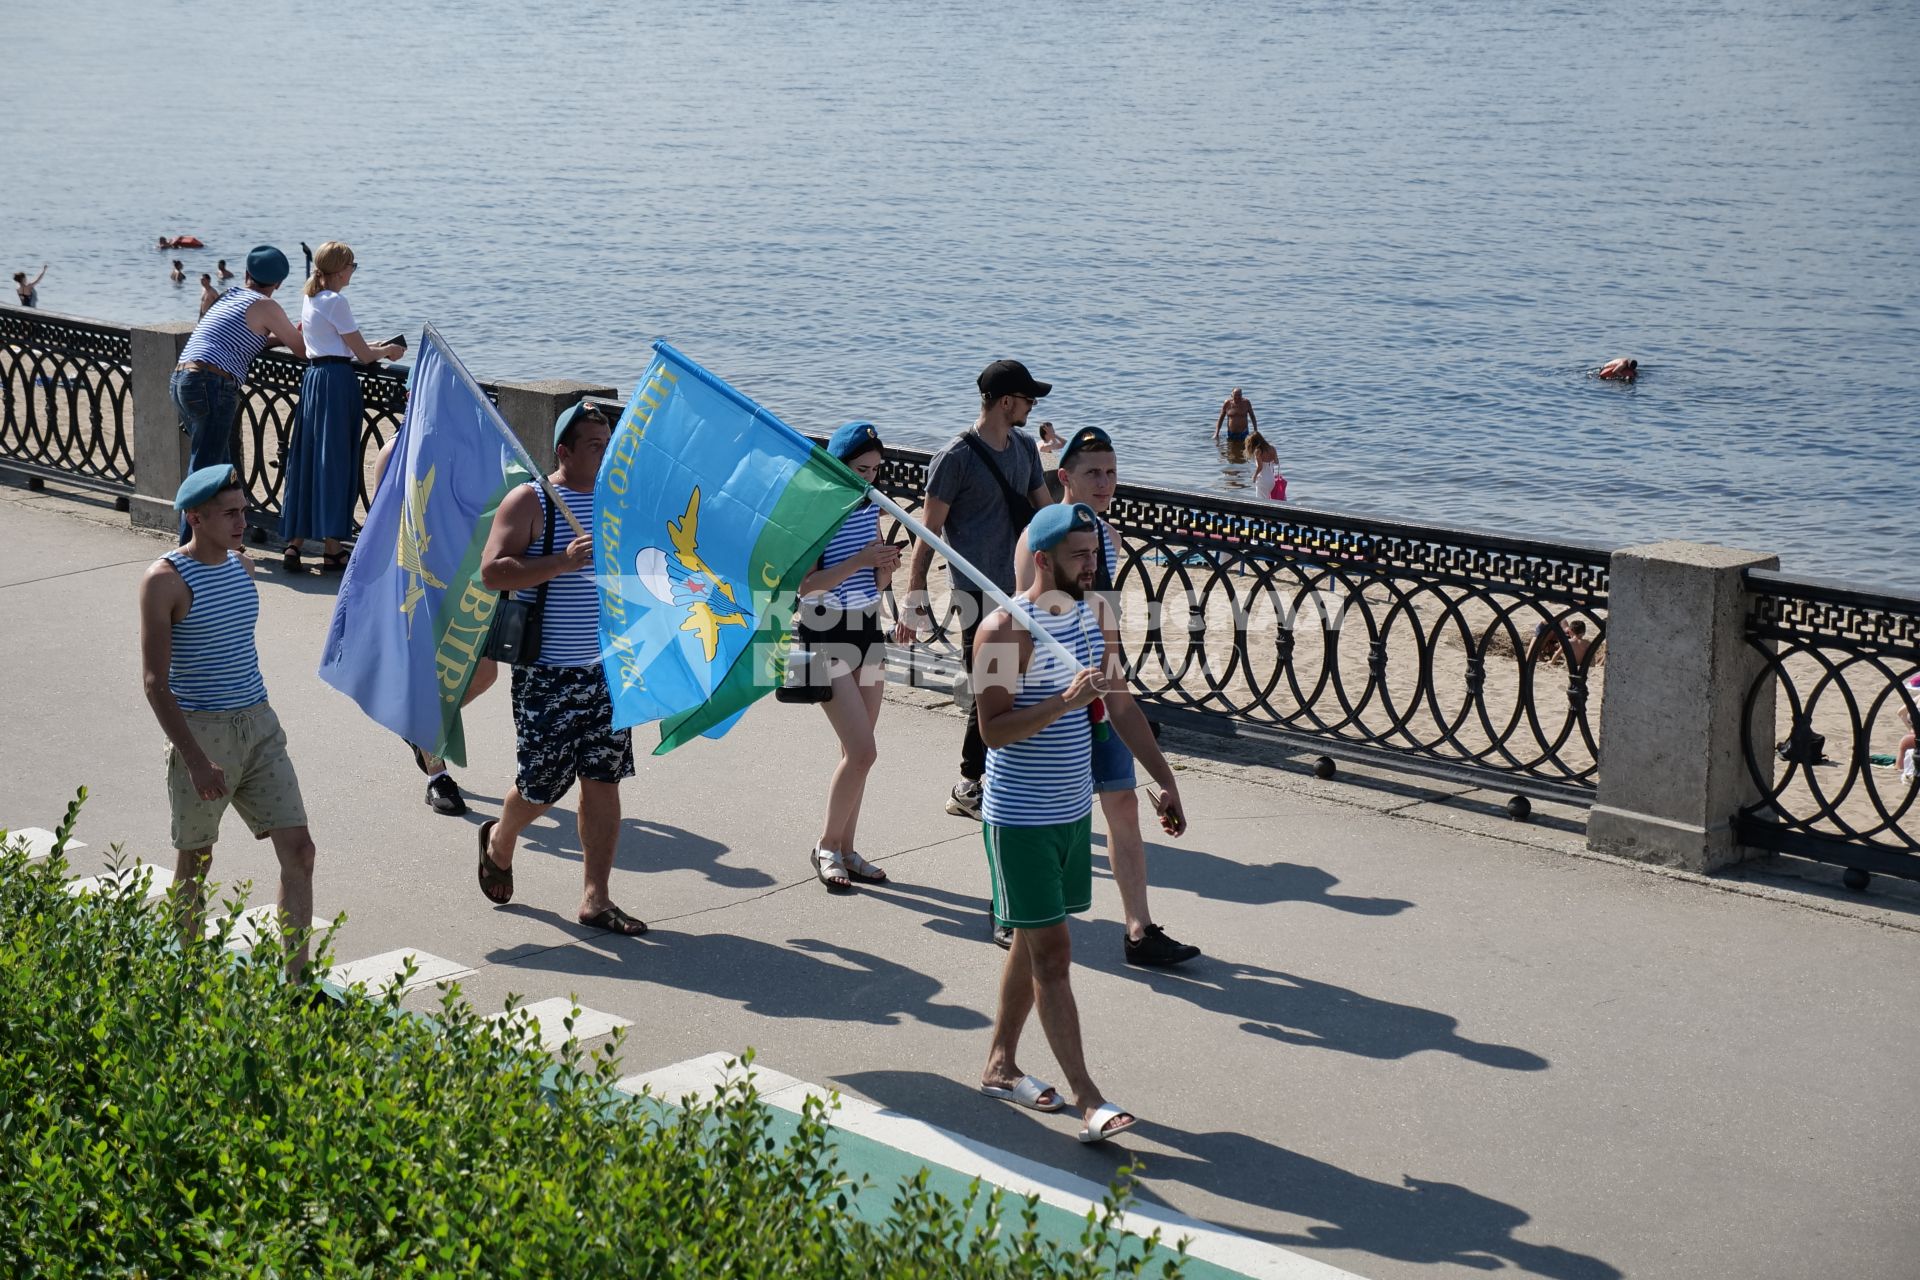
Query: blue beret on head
(580,409)
(852,439)
(200,487)
(1056,520)
(267,265)
(1086,438)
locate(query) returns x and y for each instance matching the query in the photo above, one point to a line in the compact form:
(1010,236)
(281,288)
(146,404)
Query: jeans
(208,405)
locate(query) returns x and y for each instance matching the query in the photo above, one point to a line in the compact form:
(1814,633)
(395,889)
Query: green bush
(170,1111)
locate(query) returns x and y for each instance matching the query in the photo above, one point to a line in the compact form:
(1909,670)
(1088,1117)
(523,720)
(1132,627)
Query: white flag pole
(504,431)
(999,597)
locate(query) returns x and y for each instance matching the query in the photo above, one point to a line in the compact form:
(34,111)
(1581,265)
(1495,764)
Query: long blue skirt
(323,462)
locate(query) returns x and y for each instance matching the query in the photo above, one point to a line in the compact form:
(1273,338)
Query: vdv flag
(708,512)
(412,616)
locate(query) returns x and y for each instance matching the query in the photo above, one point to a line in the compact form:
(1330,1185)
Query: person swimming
(1618,369)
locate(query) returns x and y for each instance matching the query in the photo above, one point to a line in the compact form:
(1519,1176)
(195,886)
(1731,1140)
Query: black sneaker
(1003,936)
(1156,950)
(964,802)
(443,796)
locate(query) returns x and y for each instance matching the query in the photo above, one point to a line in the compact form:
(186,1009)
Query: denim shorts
(1112,764)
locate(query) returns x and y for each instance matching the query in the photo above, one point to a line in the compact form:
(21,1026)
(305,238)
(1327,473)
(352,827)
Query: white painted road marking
(39,842)
(161,882)
(551,1018)
(377,971)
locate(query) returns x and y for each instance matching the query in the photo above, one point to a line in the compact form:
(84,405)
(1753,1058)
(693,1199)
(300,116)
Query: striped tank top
(222,338)
(856,532)
(215,666)
(570,626)
(1048,778)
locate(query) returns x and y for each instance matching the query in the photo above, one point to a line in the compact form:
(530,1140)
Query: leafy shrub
(172,1111)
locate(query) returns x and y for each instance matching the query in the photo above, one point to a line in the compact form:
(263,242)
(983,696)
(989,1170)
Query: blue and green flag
(412,615)
(708,511)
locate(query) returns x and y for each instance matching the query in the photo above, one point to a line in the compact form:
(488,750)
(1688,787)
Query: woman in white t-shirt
(323,461)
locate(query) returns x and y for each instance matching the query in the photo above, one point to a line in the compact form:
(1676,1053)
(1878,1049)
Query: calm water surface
(1405,229)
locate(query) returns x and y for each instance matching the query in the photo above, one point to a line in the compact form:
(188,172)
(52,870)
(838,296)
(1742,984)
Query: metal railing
(1827,764)
(65,410)
(269,412)
(1469,656)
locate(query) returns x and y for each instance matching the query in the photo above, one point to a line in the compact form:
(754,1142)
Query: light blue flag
(412,616)
(708,512)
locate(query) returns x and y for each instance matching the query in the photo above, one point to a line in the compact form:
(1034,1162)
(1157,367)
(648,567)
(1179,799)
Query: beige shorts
(251,749)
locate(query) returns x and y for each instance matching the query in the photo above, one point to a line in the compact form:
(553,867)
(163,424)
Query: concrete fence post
(531,407)
(159,446)
(1672,770)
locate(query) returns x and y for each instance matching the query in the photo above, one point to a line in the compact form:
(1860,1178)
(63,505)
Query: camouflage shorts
(563,729)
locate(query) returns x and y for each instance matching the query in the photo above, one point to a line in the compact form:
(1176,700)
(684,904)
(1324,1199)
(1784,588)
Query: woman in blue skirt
(323,464)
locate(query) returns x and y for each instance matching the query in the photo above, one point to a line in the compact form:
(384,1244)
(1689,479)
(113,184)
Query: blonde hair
(327,259)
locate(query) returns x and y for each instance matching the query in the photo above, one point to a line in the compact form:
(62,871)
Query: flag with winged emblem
(412,615)
(708,512)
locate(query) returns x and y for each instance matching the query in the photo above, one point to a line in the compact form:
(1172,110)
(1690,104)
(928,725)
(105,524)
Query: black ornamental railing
(65,402)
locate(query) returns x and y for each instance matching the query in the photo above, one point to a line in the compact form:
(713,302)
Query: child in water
(1267,480)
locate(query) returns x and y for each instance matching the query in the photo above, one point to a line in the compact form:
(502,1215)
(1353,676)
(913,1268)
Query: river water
(1405,229)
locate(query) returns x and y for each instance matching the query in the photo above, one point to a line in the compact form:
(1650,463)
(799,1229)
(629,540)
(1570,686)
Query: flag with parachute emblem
(412,615)
(708,512)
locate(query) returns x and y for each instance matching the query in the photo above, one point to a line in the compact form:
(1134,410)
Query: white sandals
(1027,1091)
(830,869)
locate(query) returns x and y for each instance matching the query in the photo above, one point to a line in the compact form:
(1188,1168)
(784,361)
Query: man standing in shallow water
(1236,412)
(198,607)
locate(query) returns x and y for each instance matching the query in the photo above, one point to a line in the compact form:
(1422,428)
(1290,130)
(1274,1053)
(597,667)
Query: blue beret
(580,409)
(853,438)
(267,265)
(1087,438)
(200,487)
(1056,520)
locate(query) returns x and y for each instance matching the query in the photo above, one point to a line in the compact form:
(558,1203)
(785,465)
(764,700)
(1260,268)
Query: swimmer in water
(179,271)
(1619,369)
(1236,413)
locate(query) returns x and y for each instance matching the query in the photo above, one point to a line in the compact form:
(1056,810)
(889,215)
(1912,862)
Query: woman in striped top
(323,463)
(839,620)
(233,329)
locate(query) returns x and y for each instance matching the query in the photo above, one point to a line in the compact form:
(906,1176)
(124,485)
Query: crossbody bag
(515,637)
(1019,509)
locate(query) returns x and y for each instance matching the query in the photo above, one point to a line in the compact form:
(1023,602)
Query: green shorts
(251,749)
(1041,875)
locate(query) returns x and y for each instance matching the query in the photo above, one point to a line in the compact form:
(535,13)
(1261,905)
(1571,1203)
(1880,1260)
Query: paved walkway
(1424,1041)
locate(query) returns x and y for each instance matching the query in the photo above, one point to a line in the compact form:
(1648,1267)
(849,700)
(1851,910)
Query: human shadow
(957,915)
(646,846)
(1414,1220)
(1208,875)
(1320,1015)
(806,978)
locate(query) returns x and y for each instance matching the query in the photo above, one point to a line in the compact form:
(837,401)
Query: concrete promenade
(1423,1041)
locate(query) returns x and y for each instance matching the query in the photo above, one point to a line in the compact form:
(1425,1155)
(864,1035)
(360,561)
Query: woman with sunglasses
(839,618)
(323,460)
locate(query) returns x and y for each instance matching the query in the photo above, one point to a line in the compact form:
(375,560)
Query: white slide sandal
(1101,1126)
(1027,1091)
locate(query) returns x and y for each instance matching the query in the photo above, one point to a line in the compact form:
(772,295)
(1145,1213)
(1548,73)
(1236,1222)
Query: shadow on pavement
(1320,1015)
(806,978)
(1414,1220)
(958,915)
(1208,875)
(645,846)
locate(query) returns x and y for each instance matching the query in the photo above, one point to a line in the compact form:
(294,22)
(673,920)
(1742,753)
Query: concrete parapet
(531,407)
(159,446)
(1672,775)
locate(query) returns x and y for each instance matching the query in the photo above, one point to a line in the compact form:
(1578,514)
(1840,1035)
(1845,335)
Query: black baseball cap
(1086,438)
(1010,378)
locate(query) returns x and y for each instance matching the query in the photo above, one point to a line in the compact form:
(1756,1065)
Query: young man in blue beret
(1088,473)
(198,607)
(1037,806)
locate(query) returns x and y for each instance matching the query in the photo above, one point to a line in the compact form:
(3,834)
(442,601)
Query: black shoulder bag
(515,638)
(1019,509)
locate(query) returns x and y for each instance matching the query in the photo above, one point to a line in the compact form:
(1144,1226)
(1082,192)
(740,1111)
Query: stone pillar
(159,446)
(1672,769)
(531,407)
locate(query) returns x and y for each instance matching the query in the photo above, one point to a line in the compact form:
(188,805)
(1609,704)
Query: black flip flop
(493,876)
(614,920)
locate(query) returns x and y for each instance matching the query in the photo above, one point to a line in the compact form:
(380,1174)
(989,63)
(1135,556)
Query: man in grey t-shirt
(980,513)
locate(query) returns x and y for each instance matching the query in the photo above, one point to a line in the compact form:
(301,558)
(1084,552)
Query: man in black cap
(981,491)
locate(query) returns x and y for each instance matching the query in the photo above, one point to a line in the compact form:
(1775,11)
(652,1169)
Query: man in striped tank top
(562,710)
(1089,472)
(233,329)
(198,607)
(1037,804)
